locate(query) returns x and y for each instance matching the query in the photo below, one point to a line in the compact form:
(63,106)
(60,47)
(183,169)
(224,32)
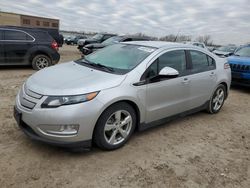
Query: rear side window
(16,36)
(201,62)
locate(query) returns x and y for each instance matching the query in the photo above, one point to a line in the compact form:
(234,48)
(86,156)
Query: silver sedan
(105,96)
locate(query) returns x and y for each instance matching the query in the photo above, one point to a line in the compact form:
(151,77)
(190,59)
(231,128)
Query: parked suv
(98,38)
(240,65)
(26,46)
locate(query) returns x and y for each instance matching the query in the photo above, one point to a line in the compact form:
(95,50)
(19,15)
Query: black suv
(87,49)
(98,38)
(26,46)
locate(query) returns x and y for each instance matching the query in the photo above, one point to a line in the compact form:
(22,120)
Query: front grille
(238,67)
(28,98)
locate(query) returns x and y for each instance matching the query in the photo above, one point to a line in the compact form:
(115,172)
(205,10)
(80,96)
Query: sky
(227,21)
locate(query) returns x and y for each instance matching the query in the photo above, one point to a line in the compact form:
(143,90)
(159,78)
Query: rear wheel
(217,100)
(115,126)
(41,61)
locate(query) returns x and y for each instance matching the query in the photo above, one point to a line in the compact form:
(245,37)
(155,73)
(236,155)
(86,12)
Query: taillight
(54,45)
(226,66)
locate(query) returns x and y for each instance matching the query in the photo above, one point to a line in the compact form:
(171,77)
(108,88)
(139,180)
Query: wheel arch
(38,52)
(226,86)
(128,101)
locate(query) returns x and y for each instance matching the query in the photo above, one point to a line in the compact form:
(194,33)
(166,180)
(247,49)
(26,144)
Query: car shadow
(243,89)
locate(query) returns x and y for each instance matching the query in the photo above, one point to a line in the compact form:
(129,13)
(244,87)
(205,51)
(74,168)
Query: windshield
(227,48)
(111,40)
(121,58)
(97,36)
(244,52)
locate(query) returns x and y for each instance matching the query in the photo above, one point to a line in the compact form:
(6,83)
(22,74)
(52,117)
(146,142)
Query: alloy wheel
(218,99)
(118,127)
(42,62)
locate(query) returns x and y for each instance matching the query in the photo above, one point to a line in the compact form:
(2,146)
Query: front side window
(174,59)
(201,62)
(16,36)
(121,58)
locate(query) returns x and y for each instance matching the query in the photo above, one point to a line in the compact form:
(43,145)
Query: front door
(167,97)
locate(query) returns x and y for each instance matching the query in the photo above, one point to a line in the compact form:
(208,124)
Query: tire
(41,61)
(217,100)
(115,126)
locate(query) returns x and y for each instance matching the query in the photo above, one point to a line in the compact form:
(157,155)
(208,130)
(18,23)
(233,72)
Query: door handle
(185,81)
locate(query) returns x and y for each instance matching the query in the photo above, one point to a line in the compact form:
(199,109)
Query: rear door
(17,43)
(202,79)
(2,57)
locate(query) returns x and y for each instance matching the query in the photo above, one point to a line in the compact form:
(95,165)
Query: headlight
(56,101)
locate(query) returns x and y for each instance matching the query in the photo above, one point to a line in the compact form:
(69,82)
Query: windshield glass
(97,36)
(120,57)
(111,40)
(244,52)
(227,48)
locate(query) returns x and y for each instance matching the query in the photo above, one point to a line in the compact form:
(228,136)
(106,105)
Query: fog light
(61,130)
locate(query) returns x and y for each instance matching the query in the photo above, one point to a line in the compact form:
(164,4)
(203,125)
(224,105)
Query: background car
(240,66)
(98,38)
(105,96)
(26,46)
(225,51)
(73,40)
(87,49)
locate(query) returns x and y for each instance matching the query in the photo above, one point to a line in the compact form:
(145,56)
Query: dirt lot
(201,150)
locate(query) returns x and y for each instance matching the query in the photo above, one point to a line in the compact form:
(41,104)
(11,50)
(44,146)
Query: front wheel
(115,126)
(217,100)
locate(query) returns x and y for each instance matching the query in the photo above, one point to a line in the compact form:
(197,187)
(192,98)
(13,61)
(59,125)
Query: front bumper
(34,121)
(241,78)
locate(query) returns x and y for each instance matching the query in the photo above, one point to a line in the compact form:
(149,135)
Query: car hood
(71,79)
(239,60)
(218,52)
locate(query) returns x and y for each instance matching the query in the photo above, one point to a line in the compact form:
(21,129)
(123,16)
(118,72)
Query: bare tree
(176,38)
(206,39)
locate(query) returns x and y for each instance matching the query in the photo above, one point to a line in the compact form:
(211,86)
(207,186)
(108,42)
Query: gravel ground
(200,150)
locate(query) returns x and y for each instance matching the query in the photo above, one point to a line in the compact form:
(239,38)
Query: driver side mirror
(168,72)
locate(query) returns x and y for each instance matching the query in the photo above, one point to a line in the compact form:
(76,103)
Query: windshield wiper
(110,69)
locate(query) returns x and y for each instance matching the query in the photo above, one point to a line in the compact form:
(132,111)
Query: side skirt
(144,126)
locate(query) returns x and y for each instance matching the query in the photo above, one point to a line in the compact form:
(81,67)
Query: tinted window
(201,62)
(16,35)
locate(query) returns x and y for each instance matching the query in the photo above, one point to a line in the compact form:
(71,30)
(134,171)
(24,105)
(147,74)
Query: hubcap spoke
(123,133)
(118,116)
(126,121)
(112,139)
(109,127)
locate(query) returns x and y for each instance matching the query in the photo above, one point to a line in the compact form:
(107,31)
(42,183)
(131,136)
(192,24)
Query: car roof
(159,44)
